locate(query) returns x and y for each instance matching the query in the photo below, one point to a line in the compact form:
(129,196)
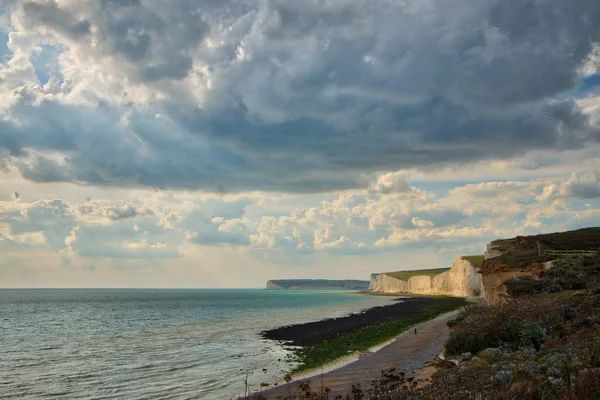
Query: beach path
(409,352)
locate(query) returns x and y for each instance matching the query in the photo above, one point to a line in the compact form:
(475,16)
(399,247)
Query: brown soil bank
(312,333)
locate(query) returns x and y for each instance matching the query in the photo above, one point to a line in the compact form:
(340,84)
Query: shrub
(466,342)
(455,321)
(526,285)
(533,334)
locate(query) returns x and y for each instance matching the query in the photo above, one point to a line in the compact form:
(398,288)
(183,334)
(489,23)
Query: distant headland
(317,284)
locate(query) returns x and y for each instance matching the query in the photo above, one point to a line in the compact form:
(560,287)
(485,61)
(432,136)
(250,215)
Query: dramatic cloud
(197,141)
(279,96)
(583,187)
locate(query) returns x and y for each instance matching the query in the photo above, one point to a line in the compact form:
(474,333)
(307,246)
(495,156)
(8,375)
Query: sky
(197,143)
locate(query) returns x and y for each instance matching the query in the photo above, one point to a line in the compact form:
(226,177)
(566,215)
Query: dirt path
(409,352)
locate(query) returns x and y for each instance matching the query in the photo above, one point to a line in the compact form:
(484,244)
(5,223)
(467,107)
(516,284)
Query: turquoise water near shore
(138,344)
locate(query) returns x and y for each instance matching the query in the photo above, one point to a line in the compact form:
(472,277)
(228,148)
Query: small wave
(49,348)
(83,376)
(179,368)
(59,394)
(146,366)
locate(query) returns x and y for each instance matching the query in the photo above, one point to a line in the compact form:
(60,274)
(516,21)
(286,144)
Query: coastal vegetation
(541,342)
(405,275)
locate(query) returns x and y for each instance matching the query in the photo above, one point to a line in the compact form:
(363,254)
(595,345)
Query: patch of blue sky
(4,50)
(45,63)
(4,30)
(441,188)
(282,206)
(588,85)
(584,204)
(527,202)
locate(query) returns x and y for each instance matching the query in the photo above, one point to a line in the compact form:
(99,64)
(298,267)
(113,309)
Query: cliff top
(475,260)
(522,251)
(580,239)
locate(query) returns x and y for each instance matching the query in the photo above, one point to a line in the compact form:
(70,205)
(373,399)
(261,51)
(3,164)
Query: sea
(152,344)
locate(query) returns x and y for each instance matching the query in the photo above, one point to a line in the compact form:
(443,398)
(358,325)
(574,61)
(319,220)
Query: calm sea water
(139,344)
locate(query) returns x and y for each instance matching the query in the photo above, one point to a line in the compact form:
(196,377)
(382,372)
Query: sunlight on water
(139,344)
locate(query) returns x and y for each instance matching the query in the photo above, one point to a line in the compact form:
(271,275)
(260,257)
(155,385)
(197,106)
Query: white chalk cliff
(461,280)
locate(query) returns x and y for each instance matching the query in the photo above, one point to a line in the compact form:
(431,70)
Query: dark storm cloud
(308,96)
(49,14)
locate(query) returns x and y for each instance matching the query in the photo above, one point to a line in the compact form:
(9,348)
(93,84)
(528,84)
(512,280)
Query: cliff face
(382,283)
(495,289)
(460,280)
(273,286)
(495,272)
(494,250)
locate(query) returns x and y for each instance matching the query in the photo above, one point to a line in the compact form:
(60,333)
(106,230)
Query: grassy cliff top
(580,239)
(523,251)
(404,275)
(475,260)
(503,243)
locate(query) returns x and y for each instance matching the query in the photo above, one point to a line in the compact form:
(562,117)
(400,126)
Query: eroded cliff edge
(530,257)
(461,280)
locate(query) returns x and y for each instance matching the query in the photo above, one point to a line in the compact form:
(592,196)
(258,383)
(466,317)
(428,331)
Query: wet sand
(409,353)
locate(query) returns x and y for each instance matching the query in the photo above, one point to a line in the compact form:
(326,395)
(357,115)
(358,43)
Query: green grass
(503,242)
(364,338)
(525,258)
(404,275)
(475,260)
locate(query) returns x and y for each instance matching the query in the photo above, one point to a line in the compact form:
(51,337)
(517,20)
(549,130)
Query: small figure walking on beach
(415,331)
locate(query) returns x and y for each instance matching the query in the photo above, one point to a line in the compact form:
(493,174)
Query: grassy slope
(503,242)
(581,239)
(523,250)
(363,339)
(404,275)
(475,260)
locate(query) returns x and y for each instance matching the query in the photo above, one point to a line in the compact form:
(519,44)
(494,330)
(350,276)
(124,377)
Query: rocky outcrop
(495,289)
(495,249)
(494,274)
(461,280)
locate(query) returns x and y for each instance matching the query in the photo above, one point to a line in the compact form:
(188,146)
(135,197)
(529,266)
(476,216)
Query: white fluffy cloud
(113,212)
(359,222)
